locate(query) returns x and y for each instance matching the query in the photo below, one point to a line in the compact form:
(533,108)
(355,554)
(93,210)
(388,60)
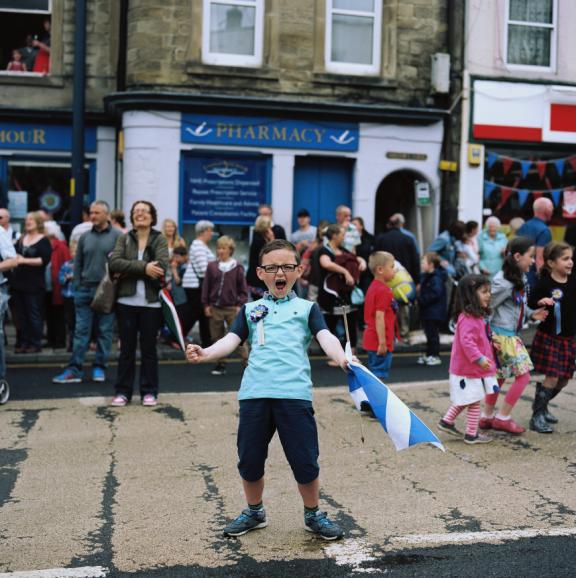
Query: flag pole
(349,346)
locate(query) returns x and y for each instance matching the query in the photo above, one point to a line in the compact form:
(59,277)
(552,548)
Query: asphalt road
(138,492)
(34,380)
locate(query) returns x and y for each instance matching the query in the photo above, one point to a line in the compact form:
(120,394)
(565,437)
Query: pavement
(89,490)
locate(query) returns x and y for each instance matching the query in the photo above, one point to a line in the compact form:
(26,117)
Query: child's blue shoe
(319,523)
(246,521)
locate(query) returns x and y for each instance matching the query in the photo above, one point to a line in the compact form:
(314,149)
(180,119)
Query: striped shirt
(198,258)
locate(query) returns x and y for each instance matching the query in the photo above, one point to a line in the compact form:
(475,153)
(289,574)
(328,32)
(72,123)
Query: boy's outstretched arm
(222,348)
(332,348)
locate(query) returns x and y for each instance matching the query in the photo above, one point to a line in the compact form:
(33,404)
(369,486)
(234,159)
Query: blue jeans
(380,365)
(85,317)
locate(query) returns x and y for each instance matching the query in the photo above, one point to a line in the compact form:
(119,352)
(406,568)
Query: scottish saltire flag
(171,317)
(403,426)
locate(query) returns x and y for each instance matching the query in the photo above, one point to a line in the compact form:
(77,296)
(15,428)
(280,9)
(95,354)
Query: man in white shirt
(352,238)
(5,223)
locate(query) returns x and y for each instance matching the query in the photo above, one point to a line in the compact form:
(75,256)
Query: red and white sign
(514,111)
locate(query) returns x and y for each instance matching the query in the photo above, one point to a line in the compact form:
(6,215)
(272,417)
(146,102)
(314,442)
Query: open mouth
(280,284)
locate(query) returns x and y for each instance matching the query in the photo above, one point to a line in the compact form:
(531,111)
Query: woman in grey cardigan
(140,258)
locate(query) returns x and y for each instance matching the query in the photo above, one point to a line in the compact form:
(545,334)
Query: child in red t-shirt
(380,315)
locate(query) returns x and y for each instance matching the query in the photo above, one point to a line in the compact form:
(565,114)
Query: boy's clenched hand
(195,354)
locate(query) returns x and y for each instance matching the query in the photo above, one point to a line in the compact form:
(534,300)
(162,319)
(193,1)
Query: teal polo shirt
(279,367)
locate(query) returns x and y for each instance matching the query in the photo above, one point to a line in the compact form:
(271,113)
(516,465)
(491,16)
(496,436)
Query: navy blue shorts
(380,365)
(294,420)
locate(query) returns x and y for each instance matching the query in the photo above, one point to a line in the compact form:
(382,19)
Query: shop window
(34,185)
(353,36)
(25,37)
(233,32)
(531,33)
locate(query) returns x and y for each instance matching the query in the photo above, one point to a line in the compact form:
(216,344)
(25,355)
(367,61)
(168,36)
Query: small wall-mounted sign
(422,189)
(475,154)
(407,156)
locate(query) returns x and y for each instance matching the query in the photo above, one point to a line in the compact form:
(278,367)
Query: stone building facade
(36,106)
(182,88)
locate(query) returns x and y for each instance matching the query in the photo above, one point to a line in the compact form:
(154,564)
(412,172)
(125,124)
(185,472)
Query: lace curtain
(530,44)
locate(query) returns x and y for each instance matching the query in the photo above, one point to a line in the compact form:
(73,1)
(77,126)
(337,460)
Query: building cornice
(120,102)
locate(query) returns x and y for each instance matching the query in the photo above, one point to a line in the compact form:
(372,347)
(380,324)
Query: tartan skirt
(554,355)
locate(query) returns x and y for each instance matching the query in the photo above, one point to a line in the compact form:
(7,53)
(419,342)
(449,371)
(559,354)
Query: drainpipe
(78,109)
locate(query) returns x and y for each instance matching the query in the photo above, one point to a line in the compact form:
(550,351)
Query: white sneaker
(421,360)
(433,360)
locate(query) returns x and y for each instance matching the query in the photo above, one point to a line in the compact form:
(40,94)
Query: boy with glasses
(276,390)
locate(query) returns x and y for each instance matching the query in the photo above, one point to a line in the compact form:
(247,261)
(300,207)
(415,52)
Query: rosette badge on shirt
(557,296)
(257,316)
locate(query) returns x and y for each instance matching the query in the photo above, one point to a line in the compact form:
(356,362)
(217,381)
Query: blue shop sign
(42,137)
(269,132)
(224,189)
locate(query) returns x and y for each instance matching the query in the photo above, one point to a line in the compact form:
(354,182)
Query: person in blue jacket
(432,300)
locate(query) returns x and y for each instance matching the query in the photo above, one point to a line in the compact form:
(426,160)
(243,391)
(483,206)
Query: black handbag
(105,296)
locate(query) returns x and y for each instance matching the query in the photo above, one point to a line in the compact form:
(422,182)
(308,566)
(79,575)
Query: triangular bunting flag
(537,194)
(556,194)
(541,166)
(559,164)
(491,159)
(507,163)
(488,189)
(572,161)
(525,167)
(505,193)
(523,195)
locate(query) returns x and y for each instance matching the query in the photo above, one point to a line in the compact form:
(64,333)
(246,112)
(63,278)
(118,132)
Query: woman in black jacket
(140,258)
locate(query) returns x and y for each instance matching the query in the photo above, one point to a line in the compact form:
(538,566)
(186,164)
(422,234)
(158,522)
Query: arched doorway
(397,194)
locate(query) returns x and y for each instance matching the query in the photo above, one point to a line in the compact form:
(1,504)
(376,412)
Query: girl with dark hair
(472,364)
(510,313)
(554,347)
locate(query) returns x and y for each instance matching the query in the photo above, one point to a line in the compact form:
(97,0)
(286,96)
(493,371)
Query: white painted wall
(153,149)
(106,164)
(151,161)
(485,45)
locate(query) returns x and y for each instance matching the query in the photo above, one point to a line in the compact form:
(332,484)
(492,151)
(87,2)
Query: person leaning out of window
(140,258)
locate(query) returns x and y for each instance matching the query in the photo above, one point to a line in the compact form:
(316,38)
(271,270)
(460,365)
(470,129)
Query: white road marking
(85,572)
(475,537)
(351,553)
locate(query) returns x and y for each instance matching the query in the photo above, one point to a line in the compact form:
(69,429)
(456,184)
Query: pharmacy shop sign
(269,132)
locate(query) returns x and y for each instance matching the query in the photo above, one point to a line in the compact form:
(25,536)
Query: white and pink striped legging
(472,416)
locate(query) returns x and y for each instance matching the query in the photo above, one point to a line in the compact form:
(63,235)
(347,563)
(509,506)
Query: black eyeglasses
(288,268)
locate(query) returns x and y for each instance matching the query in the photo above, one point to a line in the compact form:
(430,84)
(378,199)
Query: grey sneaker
(449,428)
(246,521)
(477,439)
(433,360)
(320,524)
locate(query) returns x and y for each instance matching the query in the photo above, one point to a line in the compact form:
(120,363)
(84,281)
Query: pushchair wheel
(4,391)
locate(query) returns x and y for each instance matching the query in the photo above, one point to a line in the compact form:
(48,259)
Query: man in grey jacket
(94,246)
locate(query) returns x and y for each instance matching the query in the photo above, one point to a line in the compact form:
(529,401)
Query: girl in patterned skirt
(510,312)
(554,347)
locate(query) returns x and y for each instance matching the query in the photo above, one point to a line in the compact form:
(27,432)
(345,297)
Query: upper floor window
(233,32)
(353,36)
(531,38)
(25,36)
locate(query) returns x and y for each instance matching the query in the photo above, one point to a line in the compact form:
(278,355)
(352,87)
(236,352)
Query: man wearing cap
(305,234)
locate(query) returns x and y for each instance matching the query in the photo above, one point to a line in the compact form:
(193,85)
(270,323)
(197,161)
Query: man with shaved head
(537,229)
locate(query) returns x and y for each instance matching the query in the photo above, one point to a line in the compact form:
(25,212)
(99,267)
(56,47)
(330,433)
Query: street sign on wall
(224,189)
(269,132)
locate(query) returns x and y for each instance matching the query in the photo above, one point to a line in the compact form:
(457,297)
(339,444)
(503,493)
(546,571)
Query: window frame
(27,11)
(348,67)
(225,59)
(553,39)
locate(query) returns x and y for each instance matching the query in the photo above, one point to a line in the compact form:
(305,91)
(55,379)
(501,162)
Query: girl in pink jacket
(472,363)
